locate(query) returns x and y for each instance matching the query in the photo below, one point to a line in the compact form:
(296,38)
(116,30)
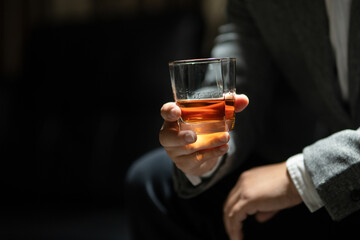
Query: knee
(135,178)
(135,174)
(147,174)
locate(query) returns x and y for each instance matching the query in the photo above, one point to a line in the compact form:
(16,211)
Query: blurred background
(81,86)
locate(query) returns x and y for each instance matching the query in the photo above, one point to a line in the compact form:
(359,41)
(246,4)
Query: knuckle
(214,142)
(246,194)
(247,174)
(236,209)
(223,138)
(242,180)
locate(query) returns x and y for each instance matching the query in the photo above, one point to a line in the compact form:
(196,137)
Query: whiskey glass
(204,89)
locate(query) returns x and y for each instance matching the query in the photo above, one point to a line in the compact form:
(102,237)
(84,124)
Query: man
(297,141)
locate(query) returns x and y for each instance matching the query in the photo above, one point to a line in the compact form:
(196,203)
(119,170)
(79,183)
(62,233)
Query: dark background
(81,86)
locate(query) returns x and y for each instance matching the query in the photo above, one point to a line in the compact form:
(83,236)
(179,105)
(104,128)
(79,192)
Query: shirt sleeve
(303,182)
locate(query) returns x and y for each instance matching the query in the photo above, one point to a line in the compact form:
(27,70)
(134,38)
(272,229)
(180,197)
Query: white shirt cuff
(195,180)
(303,183)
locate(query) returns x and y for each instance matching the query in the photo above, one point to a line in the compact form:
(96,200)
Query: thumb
(264,216)
(241,101)
(170,112)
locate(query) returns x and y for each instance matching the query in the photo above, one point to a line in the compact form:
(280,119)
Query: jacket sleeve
(334,166)
(240,39)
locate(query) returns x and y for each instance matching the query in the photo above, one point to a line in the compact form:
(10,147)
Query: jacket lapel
(354,62)
(310,25)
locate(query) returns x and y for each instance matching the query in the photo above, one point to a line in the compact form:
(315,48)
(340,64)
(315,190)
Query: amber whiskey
(207,115)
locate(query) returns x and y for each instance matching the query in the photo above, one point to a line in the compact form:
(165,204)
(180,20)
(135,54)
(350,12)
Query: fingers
(193,154)
(203,142)
(262,191)
(241,102)
(200,157)
(200,162)
(171,112)
(169,136)
(233,220)
(234,196)
(233,214)
(234,229)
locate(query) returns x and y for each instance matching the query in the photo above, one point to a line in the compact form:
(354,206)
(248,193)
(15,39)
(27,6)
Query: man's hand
(262,192)
(192,154)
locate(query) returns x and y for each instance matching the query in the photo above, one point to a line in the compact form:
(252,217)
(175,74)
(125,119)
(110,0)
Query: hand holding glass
(204,89)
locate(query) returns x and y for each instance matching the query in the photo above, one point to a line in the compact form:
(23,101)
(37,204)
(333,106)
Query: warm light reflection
(207,139)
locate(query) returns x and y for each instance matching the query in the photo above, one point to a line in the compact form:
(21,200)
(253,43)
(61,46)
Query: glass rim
(199,60)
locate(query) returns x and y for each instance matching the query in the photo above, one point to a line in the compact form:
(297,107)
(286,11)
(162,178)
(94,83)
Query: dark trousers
(156,212)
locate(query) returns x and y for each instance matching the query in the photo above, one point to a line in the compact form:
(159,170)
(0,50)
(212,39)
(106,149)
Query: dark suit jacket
(286,66)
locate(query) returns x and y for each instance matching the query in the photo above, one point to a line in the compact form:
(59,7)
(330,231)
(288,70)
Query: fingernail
(189,137)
